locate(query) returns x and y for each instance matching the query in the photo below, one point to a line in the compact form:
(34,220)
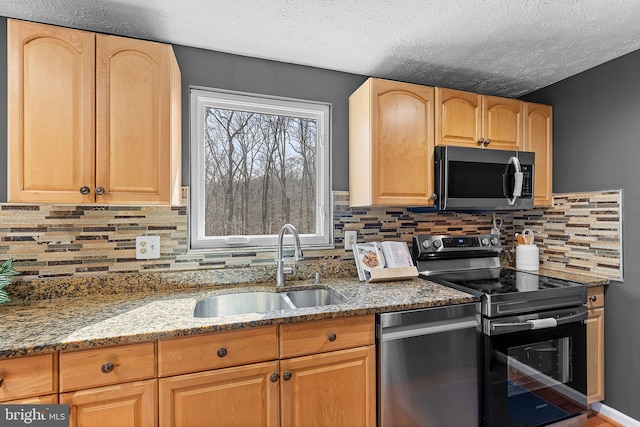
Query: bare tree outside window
(259,172)
(258,163)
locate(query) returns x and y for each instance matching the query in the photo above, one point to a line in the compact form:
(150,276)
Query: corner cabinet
(595,345)
(391,144)
(92,118)
(538,138)
(472,120)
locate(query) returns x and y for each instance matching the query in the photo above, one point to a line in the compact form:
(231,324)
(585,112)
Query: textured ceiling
(502,47)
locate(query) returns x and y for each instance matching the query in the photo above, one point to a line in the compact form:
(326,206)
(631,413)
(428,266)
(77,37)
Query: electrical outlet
(350,238)
(147,247)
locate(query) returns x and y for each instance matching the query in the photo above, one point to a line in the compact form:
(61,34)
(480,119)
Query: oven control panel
(425,246)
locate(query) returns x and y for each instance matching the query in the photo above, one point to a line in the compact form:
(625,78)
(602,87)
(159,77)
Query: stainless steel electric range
(533,340)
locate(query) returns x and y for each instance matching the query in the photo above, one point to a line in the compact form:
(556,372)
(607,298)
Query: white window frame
(202,98)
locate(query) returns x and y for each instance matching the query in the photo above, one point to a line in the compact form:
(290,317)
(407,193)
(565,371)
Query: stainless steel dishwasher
(428,367)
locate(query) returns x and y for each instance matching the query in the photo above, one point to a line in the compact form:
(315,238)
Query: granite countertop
(38,326)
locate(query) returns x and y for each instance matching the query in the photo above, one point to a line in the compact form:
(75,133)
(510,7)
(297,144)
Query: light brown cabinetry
(335,383)
(325,376)
(538,138)
(115,383)
(473,120)
(91,118)
(29,379)
(390,138)
(595,345)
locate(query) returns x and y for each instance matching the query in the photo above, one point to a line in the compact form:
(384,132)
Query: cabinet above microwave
(394,128)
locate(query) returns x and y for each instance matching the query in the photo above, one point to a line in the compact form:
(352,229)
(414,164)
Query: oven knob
(437,244)
(484,241)
(425,244)
(495,241)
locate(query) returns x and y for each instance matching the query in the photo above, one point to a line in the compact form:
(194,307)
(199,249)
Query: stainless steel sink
(241,303)
(314,297)
(263,302)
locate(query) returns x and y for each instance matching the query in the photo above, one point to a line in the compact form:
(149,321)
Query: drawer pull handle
(287,375)
(84,190)
(1,381)
(593,298)
(107,368)
(332,337)
(274,378)
(222,352)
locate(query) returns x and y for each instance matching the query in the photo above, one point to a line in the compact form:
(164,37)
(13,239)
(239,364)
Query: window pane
(259,171)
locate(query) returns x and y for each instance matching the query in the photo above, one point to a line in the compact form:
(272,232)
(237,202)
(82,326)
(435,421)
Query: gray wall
(596,146)
(232,72)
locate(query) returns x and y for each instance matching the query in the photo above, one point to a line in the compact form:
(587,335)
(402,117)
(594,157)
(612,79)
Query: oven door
(535,371)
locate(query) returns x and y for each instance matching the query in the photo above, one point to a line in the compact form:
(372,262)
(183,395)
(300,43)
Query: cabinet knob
(332,336)
(593,298)
(107,368)
(481,141)
(100,191)
(287,375)
(487,142)
(274,378)
(84,190)
(222,352)
(1,381)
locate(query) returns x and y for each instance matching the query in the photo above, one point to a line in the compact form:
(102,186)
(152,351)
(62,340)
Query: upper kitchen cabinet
(538,138)
(473,120)
(391,144)
(92,118)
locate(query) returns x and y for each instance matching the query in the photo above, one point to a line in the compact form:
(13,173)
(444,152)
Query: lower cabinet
(128,404)
(112,386)
(595,345)
(241,396)
(325,376)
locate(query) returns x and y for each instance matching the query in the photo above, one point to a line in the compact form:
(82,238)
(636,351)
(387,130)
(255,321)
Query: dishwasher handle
(410,331)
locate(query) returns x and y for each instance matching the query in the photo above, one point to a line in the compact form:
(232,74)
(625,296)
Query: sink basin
(263,302)
(314,297)
(241,303)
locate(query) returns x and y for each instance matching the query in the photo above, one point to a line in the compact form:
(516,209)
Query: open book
(372,257)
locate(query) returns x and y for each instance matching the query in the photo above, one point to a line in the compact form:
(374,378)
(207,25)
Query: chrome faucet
(281,270)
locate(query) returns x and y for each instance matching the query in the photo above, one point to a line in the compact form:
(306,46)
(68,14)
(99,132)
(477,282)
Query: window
(257,163)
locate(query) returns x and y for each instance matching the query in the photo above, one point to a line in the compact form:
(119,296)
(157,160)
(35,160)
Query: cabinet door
(135,94)
(239,396)
(503,122)
(595,355)
(391,144)
(458,118)
(330,389)
(538,138)
(50,118)
(122,405)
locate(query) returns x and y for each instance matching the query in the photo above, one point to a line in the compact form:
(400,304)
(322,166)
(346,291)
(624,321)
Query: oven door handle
(547,322)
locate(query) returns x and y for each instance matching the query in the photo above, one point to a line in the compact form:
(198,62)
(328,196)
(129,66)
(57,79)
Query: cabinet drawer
(219,350)
(105,366)
(596,297)
(297,339)
(28,376)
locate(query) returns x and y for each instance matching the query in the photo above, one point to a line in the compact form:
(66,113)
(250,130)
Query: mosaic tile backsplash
(581,232)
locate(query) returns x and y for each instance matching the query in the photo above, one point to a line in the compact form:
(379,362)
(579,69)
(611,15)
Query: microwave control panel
(527,184)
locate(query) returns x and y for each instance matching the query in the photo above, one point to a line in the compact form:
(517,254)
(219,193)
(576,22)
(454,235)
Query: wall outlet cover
(147,247)
(350,238)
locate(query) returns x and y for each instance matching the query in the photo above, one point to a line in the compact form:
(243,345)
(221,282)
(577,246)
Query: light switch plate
(147,247)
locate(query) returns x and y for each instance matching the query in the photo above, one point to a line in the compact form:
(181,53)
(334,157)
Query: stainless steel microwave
(483,179)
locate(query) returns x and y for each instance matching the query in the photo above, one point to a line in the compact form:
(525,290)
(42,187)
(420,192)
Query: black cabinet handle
(593,298)
(100,191)
(222,352)
(274,378)
(1,381)
(287,375)
(107,368)
(84,190)
(332,337)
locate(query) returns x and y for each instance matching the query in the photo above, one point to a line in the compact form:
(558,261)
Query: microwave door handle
(517,180)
